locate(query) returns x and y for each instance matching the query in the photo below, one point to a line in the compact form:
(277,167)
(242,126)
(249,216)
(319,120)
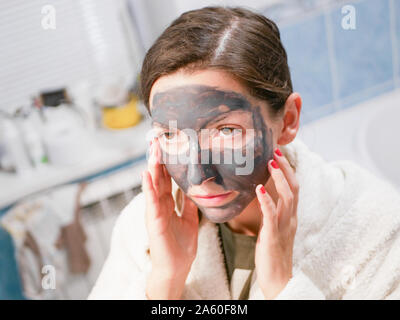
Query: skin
(272,215)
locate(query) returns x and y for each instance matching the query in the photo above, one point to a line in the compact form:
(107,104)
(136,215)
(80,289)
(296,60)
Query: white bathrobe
(347,244)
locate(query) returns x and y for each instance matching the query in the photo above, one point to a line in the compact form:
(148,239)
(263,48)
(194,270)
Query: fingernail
(262,189)
(278,152)
(274,164)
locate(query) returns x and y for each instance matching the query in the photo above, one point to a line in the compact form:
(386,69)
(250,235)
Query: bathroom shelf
(109,151)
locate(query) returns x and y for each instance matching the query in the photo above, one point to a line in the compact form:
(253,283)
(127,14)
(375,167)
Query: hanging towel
(73,238)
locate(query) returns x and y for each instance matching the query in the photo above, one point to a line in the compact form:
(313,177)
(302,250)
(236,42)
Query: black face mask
(196,106)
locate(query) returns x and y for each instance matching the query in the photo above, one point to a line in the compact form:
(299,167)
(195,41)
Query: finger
(267,206)
(167,180)
(190,210)
(155,168)
(288,172)
(282,188)
(158,156)
(150,195)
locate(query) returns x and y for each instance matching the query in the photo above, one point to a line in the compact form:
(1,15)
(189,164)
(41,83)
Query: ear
(291,119)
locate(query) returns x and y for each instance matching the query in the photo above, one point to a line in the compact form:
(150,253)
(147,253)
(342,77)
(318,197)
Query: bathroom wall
(333,67)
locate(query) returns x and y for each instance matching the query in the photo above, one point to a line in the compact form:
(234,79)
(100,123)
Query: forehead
(203,99)
(213,78)
(196,105)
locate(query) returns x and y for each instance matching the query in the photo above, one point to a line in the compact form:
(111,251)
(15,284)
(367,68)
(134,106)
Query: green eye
(227,131)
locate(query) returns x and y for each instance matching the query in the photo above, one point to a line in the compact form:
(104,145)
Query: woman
(254,214)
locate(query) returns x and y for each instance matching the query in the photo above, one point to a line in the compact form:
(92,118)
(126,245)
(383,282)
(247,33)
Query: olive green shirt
(239,252)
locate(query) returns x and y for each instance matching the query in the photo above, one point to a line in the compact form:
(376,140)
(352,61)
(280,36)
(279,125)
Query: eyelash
(230,128)
(168,135)
(164,134)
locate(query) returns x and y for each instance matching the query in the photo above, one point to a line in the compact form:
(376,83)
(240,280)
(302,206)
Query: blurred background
(73,131)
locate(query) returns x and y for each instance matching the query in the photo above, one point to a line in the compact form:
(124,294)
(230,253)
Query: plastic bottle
(34,143)
(15,148)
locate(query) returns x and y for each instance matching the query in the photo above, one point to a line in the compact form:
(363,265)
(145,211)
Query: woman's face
(215,139)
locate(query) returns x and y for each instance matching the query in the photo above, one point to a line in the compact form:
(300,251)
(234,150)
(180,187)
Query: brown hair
(232,39)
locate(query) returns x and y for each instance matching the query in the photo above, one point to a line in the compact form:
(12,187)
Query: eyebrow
(220,117)
(225,115)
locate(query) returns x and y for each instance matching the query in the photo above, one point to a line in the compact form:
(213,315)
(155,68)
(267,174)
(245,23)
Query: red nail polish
(278,152)
(262,189)
(274,164)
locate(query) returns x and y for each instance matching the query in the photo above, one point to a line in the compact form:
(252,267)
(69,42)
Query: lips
(213,200)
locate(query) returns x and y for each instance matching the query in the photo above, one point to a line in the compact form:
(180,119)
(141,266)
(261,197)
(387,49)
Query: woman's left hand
(274,248)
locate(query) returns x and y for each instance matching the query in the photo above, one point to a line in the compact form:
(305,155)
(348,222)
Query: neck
(249,221)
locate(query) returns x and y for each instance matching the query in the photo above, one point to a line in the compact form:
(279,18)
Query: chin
(219,215)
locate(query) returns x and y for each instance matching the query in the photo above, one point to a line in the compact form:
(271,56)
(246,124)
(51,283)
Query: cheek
(256,156)
(245,183)
(179,173)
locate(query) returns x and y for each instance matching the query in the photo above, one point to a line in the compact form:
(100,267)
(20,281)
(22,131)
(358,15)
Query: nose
(199,172)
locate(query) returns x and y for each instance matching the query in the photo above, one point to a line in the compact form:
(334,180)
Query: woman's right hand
(172,239)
